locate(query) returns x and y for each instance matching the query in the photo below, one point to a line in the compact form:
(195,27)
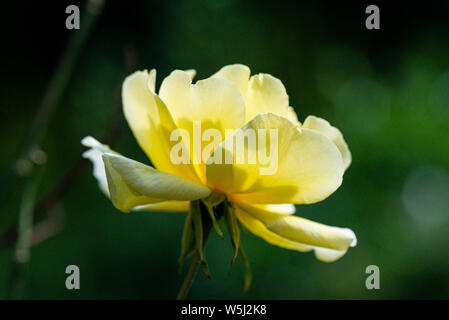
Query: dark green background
(387,90)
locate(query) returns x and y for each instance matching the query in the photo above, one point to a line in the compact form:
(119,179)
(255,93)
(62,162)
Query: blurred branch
(48,228)
(25,231)
(52,198)
(29,236)
(34,137)
(54,92)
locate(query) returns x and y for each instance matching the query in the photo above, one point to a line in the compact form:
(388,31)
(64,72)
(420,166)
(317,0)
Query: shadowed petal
(291,232)
(132,183)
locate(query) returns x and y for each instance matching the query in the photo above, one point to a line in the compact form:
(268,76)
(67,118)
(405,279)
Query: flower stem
(206,225)
(188,280)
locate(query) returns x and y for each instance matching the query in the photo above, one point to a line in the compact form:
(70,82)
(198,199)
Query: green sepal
(211,202)
(187,242)
(205,269)
(215,225)
(201,228)
(234,231)
(248,273)
(195,211)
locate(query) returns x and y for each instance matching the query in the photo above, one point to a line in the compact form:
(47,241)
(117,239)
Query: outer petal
(328,255)
(94,155)
(123,197)
(266,94)
(171,206)
(138,105)
(191,73)
(293,117)
(324,127)
(258,228)
(309,166)
(215,103)
(132,183)
(151,122)
(285,208)
(291,232)
(262,93)
(237,73)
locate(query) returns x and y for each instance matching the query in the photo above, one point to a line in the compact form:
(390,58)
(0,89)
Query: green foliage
(386,91)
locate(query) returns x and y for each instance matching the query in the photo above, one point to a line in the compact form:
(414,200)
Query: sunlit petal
(151,122)
(237,73)
(324,127)
(266,94)
(293,117)
(214,103)
(285,208)
(308,168)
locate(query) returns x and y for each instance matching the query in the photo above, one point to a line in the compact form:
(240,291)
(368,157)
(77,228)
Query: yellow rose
(312,156)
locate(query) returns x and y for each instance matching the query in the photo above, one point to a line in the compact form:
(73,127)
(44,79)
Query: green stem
(190,276)
(24,236)
(35,135)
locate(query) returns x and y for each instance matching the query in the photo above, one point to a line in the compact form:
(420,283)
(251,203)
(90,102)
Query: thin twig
(49,227)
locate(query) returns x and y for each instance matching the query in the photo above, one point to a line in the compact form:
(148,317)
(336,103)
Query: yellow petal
(291,232)
(171,206)
(302,230)
(308,169)
(214,103)
(266,94)
(237,73)
(138,105)
(95,156)
(262,93)
(258,228)
(151,122)
(324,127)
(285,208)
(328,255)
(293,117)
(191,73)
(132,183)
